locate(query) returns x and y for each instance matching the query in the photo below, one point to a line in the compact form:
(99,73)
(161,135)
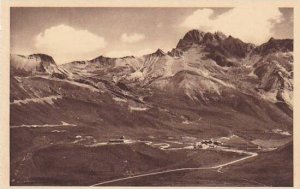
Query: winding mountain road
(164,146)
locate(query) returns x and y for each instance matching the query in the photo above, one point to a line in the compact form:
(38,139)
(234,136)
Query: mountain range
(204,67)
(209,86)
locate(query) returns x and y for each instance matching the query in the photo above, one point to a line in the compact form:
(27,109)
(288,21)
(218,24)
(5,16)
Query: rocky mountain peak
(192,36)
(159,52)
(216,39)
(220,35)
(195,36)
(102,59)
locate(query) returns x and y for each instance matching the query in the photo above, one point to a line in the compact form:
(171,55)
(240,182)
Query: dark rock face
(219,46)
(237,47)
(42,58)
(175,53)
(200,37)
(226,49)
(127,57)
(194,35)
(274,45)
(221,60)
(78,62)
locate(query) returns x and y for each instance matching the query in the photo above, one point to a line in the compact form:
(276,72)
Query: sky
(69,34)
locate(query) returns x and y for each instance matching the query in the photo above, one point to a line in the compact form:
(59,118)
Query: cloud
(250,24)
(118,53)
(133,38)
(122,53)
(63,41)
(145,51)
(200,17)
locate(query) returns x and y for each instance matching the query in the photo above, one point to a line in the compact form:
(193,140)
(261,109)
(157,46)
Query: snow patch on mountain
(251,74)
(132,108)
(92,88)
(117,99)
(269,96)
(137,75)
(48,99)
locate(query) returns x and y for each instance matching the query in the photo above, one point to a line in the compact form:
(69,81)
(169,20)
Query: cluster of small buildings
(205,144)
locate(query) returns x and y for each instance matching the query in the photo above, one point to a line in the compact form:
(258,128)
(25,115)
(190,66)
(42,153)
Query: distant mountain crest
(205,68)
(42,58)
(35,63)
(159,52)
(199,37)
(275,45)
(193,36)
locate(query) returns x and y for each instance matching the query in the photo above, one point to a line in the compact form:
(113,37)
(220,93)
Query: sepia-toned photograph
(151,96)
